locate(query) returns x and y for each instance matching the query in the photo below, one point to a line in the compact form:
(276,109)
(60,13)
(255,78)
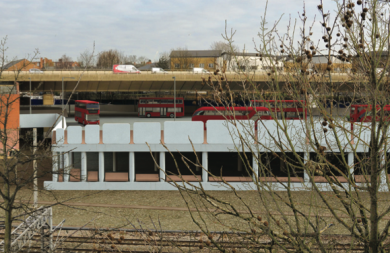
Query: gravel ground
(129,215)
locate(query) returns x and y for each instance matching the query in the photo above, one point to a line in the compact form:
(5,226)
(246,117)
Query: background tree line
(106,59)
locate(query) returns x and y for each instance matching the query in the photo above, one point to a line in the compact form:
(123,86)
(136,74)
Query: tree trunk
(8,227)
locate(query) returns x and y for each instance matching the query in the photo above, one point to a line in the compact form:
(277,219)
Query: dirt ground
(138,208)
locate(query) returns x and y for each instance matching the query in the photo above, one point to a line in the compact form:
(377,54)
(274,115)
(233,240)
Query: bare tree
(309,144)
(224,46)
(131,59)
(86,59)
(18,176)
(106,59)
(65,62)
(141,60)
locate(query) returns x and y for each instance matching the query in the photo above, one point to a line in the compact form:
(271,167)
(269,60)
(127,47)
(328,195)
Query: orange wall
(13,119)
(13,111)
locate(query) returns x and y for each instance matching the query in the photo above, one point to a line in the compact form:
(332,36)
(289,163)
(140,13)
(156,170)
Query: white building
(252,62)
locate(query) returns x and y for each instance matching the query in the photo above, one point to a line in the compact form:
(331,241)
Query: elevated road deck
(107,81)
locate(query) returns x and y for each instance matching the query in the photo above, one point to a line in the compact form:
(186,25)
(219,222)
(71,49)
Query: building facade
(131,157)
(252,62)
(189,59)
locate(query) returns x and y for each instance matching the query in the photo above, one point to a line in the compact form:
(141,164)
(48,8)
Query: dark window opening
(231,164)
(334,159)
(361,164)
(116,162)
(280,165)
(171,168)
(76,159)
(144,163)
(92,161)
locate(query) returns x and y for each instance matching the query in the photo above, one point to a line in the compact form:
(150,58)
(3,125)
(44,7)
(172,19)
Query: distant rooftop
(10,64)
(196,53)
(148,67)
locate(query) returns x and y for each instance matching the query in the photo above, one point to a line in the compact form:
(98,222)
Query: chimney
(41,63)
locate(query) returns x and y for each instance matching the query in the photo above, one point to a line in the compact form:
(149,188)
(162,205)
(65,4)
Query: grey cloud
(135,27)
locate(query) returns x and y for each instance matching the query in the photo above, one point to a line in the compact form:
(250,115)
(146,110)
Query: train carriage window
(178,109)
(209,113)
(291,115)
(262,113)
(167,101)
(199,113)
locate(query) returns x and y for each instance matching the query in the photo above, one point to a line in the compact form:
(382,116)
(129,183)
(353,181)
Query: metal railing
(31,226)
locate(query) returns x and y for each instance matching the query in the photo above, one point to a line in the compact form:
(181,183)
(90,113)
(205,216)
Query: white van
(158,70)
(200,70)
(125,69)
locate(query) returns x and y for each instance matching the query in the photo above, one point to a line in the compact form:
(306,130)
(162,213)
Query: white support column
(205,162)
(306,158)
(55,166)
(162,166)
(83,167)
(255,166)
(66,166)
(101,166)
(113,161)
(351,162)
(131,167)
(383,172)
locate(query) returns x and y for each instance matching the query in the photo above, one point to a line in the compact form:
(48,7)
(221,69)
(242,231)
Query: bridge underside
(119,86)
(138,86)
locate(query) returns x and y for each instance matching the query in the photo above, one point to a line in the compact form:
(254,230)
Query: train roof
(86,101)
(160,98)
(288,101)
(236,108)
(386,106)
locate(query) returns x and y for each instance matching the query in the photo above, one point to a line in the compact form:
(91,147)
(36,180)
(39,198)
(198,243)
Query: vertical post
(35,167)
(155,158)
(50,231)
(239,162)
(174,97)
(30,94)
(83,167)
(162,166)
(113,161)
(66,167)
(205,176)
(101,166)
(43,239)
(132,167)
(55,166)
(62,100)
(306,158)
(62,103)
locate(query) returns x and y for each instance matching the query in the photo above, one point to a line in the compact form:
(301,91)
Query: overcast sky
(136,27)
